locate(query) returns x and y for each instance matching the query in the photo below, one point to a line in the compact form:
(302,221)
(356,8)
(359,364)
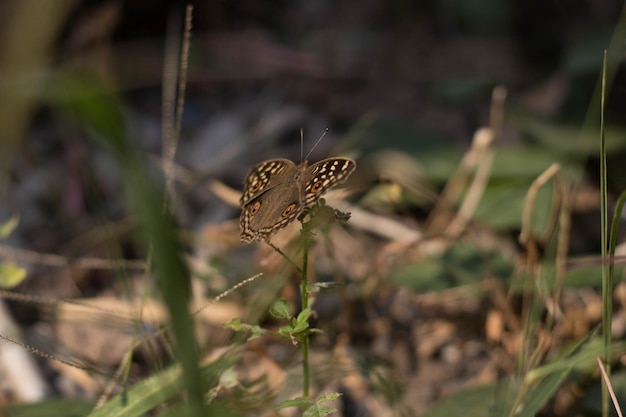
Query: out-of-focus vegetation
(468,279)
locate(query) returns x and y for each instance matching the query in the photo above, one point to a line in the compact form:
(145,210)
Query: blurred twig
(48,259)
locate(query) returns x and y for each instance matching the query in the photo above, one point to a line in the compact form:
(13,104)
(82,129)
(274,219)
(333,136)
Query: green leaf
(503,202)
(11,275)
(296,402)
(567,140)
(280,309)
(460,264)
(546,380)
(286,330)
(330,396)
(475,402)
(9,226)
(163,387)
(304,315)
(236,325)
(52,407)
(313,409)
(300,327)
(318,411)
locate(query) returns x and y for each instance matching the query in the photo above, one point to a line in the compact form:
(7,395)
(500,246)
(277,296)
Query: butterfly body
(277,190)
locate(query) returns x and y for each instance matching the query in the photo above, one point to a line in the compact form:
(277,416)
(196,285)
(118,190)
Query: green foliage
(9,226)
(475,402)
(159,389)
(577,276)
(11,275)
(526,396)
(460,264)
(88,103)
(51,407)
(541,383)
(280,309)
(236,325)
(312,408)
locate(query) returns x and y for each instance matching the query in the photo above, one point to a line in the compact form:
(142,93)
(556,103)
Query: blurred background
(490,93)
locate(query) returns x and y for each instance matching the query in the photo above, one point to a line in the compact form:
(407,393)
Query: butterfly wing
(264,212)
(325,174)
(263,177)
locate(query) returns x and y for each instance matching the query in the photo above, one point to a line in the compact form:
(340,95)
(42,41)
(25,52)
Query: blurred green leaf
(540,384)
(567,140)
(9,226)
(295,402)
(163,387)
(581,276)
(474,402)
(86,101)
(314,409)
(53,407)
(502,205)
(11,275)
(519,163)
(387,135)
(544,381)
(461,264)
(317,410)
(460,90)
(95,106)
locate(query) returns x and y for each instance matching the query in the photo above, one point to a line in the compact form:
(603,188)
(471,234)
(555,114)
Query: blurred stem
(607,285)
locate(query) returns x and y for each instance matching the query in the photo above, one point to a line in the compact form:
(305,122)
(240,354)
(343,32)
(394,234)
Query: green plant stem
(304,293)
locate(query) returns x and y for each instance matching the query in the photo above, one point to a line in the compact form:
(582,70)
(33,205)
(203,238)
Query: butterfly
(277,190)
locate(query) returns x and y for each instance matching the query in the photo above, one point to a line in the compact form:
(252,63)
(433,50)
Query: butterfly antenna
(316,143)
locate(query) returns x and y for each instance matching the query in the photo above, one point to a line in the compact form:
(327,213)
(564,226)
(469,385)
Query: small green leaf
(330,396)
(300,327)
(280,309)
(318,411)
(229,378)
(11,275)
(285,330)
(296,402)
(9,226)
(304,315)
(236,325)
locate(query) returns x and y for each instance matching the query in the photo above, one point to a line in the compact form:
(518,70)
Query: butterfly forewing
(263,177)
(326,174)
